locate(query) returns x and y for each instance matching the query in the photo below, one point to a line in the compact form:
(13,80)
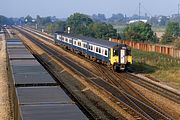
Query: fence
(167,50)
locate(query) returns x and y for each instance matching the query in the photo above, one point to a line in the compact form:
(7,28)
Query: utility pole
(139,11)
(178,9)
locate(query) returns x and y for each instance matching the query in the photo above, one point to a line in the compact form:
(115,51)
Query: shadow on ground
(138,67)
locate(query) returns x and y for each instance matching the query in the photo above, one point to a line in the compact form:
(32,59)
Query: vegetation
(79,23)
(172,34)
(157,65)
(57,26)
(140,31)
(5,21)
(83,25)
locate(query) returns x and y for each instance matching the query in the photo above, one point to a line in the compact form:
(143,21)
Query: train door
(122,55)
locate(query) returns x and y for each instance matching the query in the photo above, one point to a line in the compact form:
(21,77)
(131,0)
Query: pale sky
(64,8)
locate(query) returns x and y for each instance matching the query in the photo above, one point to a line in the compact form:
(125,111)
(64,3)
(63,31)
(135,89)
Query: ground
(5,113)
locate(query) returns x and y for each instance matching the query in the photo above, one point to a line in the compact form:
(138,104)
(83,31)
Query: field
(120,28)
(158,66)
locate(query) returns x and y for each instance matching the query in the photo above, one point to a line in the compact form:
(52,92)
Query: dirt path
(4,95)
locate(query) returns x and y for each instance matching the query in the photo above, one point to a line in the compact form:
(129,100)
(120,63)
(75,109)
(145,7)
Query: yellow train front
(117,56)
(120,57)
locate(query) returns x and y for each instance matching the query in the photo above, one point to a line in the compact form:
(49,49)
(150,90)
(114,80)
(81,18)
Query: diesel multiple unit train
(117,56)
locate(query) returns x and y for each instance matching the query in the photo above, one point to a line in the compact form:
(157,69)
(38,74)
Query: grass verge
(161,67)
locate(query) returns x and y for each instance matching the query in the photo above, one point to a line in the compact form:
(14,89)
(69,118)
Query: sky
(64,8)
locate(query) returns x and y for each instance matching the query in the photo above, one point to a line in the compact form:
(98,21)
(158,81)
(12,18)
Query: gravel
(5,113)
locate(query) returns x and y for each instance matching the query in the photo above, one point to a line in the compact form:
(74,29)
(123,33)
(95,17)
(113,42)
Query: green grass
(120,28)
(162,67)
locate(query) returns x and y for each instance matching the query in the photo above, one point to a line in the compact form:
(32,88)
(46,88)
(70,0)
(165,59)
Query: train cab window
(115,52)
(105,52)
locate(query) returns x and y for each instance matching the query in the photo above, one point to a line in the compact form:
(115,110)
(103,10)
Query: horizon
(88,15)
(63,9)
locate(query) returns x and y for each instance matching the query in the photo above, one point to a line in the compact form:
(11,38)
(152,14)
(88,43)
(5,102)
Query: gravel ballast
(5,113)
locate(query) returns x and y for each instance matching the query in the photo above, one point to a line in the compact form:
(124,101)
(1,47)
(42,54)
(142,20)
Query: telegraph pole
(178,9)
(139,11)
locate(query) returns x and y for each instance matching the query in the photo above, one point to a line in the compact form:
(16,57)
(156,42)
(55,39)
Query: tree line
(82,24)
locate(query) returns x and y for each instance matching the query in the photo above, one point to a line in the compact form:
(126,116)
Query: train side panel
(118,56)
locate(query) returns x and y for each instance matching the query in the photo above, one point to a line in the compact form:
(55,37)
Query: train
(114,55)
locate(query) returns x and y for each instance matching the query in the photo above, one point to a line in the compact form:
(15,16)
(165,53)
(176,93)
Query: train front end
(121,57)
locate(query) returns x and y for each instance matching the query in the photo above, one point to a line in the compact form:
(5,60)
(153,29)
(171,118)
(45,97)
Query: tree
(140,31)
(176,19)
(79,23)
(173,28)
(57,26)
(177,43)
(167,38)
(5,21)
(28,19)
(99,17)
(172,33)
(102,30)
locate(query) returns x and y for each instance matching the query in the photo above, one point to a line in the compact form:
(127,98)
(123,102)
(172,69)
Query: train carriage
(118,56)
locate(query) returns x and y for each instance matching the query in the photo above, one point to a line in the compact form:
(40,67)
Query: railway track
(7,35)
(129,101)
(154,87)
(122,84)
(147,84)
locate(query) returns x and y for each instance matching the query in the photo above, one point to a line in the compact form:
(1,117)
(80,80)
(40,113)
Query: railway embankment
(5,101)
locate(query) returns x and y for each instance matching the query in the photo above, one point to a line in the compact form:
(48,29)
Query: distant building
(134,21)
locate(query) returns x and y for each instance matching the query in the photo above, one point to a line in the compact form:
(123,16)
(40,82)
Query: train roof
(100,42)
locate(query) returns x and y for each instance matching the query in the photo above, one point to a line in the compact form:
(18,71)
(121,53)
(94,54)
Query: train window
(115,53)
(85,45)
(79,43)
(99,50)
(66,39)
(102,51)
(74,42)
(96,49)
(91,47)
(105,52)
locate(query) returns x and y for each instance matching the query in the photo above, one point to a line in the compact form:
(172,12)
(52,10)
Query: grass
(161,67)
(120,28)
